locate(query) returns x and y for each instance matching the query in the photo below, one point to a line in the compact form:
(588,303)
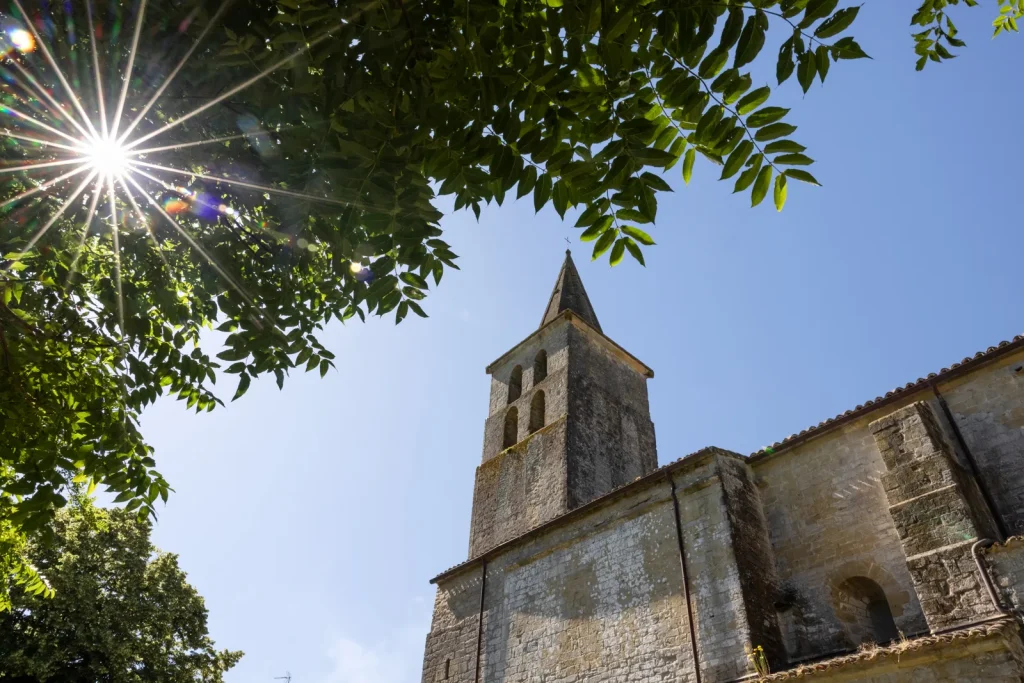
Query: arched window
(864,611)
(515,383)
(511,429)
(537,412)
(540,366)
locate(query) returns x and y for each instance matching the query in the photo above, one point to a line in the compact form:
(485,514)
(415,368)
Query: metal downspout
(480,619)
(686,580)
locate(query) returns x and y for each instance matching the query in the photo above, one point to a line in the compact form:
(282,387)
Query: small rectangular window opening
(447,668)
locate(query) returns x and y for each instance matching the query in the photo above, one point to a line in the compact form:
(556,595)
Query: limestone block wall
(520,488)
(450,653)
(611,436)
(988,405)
(729,567)
(936,521)
(600,599)
(553,340)
(828,521)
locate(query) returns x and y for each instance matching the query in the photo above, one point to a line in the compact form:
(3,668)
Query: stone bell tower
(568,422)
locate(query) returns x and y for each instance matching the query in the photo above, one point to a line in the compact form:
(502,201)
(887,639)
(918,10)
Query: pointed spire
(570,295)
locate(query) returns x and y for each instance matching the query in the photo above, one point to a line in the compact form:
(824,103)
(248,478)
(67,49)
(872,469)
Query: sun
(107,157)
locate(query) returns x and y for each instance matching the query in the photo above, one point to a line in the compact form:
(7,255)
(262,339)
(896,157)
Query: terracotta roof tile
(893,651)
(981,356)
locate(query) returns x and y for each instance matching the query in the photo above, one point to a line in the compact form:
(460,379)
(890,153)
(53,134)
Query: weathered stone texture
(754,558)
(452,641)
(598,600)
(716,586)
(988,405)
(936,522)
(828,521)
(611,436)
(519,489)
(598,434)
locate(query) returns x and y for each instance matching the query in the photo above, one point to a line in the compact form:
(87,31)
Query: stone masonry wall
(519,489)
(937,525)
(715,586)
(988,405)
(611,436)
(452,641)
(600,599)
(554,340)
(828,521)
(753,553)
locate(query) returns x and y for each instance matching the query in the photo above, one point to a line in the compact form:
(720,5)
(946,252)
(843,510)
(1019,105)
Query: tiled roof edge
(966,365)
(978,632)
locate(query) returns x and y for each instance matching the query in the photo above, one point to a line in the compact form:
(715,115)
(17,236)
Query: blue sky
(312,518)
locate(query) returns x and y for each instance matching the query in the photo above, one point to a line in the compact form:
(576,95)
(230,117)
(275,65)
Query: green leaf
(817,9)
(784,146)
(775,130)
(243,386)
(802,175)
(748,176)
(618,251)
(736,160)
(597,229)
(542,192)
(634,250)
(847,48)
(691,156)
(561,198)
(656,182)
(631,215)
(793,160)
(806,70)
(638,234)
(785,65)
(751,40)
(780,192)
(713,63)
(822,61)
(763,117)
(837,23)
(589,215)
(731,30)
(650,156)
(753,100)
(603,244)
(761,185)
(526,182)
(411,278)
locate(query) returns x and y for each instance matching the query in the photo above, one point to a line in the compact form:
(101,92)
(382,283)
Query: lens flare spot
(355,267)
(365,275)
(107,157)
(176,206)
(22,40)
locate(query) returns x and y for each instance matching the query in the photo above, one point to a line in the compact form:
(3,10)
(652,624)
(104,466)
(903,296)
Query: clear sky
(312,518)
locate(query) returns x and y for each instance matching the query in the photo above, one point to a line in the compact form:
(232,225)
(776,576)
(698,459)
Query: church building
(883,544)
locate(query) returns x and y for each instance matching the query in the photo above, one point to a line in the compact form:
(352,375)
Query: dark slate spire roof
(569,295)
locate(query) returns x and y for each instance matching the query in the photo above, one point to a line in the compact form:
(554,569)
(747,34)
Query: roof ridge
(990,353)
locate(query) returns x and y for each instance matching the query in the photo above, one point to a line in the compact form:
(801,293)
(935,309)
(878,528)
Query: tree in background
(122,611)
(282,165)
